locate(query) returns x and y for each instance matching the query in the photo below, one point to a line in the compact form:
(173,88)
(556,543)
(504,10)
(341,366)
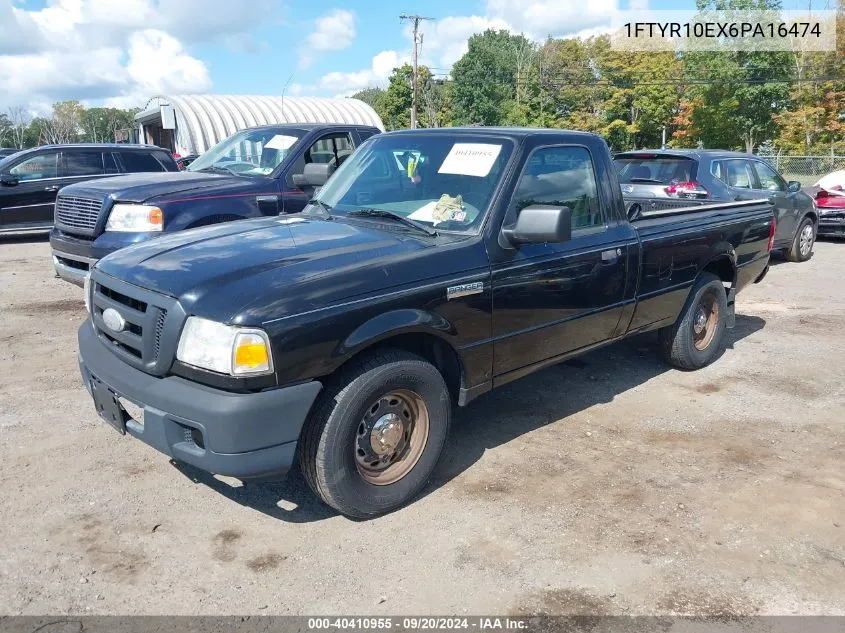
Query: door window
(738,174)
(561,176)
(330,149)
(36,167)
(768,177)
(83,163)
(134,162)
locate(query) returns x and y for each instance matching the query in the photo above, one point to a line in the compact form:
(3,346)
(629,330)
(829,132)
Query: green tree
(489,76)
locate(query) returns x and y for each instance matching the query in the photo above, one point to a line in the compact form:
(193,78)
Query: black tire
(327,446)
(681,344)
(796,253)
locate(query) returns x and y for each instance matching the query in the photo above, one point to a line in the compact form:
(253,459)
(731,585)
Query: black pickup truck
(433,266)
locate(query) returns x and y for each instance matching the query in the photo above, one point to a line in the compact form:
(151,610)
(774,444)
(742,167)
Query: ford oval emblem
(113,320)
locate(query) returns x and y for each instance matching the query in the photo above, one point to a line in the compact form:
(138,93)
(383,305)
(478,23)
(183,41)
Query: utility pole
(415,19)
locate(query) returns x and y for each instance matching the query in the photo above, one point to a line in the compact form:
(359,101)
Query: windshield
(249,152)
(432,179)
(655,169)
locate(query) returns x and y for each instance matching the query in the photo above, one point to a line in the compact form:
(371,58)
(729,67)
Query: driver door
(32,199)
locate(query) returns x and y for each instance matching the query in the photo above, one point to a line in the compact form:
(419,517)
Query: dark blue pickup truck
(433,267)
(258,171)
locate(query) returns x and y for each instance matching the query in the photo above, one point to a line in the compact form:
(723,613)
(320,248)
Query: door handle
(51,188)
(611,255)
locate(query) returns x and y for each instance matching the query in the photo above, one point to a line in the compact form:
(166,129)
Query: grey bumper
(72,268)
(236,434)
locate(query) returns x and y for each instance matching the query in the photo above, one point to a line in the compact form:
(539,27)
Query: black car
(677,176)
(30,179)
(434,266)
(7,151)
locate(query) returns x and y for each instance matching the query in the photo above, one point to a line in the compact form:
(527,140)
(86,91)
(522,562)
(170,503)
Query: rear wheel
(802,245)
(376,434)
(697,338)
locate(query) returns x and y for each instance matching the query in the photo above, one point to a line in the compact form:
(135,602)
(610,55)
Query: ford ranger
(434,266)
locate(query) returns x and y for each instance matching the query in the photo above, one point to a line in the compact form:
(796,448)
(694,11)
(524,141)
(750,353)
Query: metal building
(190,124)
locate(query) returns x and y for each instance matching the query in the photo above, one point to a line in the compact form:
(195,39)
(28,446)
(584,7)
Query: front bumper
(237,434)
(73,256)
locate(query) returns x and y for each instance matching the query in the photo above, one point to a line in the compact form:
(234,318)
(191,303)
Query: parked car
(8,151)
(830,202)
(30,179)
(712,175)
(340,336)
(185,161)
(255,172)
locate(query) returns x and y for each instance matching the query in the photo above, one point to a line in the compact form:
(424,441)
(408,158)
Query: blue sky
(121,52)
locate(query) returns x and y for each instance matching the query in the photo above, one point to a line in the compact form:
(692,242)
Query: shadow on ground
(495,419)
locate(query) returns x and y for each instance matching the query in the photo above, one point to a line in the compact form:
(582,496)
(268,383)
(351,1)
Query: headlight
(134,218)
(225,349)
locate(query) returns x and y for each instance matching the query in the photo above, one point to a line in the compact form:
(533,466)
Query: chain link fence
(807,169)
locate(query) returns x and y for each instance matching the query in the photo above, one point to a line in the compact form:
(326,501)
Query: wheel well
(723,268)
(812,215)
(434,350)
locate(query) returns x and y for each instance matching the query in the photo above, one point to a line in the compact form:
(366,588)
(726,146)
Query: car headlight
(225,349)
(134,218)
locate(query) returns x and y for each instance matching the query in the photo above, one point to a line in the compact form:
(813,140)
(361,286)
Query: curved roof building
(190,124)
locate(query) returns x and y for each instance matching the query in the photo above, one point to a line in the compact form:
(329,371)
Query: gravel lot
(608,484)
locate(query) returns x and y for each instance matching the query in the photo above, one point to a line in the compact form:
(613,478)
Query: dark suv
(30,179)
(714,175)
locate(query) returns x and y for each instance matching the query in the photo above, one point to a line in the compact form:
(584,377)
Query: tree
(370,96)
(5,130)
(486,77)
(100,125)
(19,118)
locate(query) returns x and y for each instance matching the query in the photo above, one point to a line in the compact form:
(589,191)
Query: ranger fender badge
(475,288)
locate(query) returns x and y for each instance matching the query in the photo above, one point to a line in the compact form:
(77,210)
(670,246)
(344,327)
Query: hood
(140,188)
(282,265)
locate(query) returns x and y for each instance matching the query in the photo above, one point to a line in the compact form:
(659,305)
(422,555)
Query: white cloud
(117,51)
(347,83)
(445,41)
(332,32)
(540,18)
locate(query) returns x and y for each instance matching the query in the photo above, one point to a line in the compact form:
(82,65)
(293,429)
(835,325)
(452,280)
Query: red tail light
(689,189)
(772,227)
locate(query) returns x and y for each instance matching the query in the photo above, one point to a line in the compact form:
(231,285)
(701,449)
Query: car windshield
(249,152)
(440,181)
(655,169)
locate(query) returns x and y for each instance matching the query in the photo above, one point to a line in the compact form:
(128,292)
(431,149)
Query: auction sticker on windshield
(281,141)
(470,159)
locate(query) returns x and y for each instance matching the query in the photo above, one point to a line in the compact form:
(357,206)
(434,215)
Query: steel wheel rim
(705,322)
(391,437)
(806,240)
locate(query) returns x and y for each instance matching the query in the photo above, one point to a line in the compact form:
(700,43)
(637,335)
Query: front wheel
(696,339)
(802,245)
(376,434)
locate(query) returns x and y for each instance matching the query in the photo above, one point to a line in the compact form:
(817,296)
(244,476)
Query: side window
(561,176)
(110,164)
(366,133)
(82,163)
(717,170)
(738,174)
(134,162)
(768,177)
(36,167)
(331,149)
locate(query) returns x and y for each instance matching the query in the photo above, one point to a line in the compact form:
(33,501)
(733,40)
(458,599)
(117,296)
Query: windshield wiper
(217,169)
(645,180)
(390,215)
(325,208)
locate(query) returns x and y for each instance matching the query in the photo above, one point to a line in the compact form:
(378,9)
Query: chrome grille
(78,214)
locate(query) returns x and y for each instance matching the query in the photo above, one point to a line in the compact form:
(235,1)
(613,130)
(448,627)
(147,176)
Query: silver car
(714,175)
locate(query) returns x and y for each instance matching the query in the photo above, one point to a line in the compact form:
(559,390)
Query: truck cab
(255,172)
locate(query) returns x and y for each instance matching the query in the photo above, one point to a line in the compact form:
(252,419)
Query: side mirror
(8,180)
(794,186)
(539,224)
(315,175)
